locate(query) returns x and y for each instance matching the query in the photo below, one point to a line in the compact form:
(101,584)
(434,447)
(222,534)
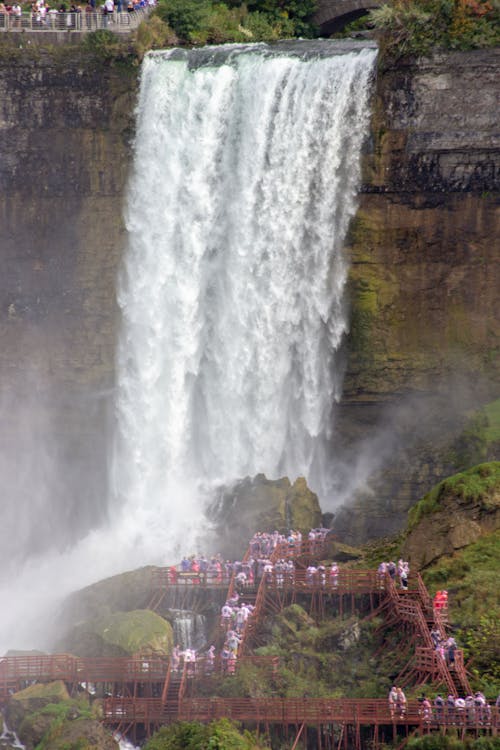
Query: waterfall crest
(232,293)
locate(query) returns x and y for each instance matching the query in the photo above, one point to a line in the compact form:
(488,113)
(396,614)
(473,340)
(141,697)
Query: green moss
(476,484)
(221,734)
(471,579)
(135,630)
(121,634)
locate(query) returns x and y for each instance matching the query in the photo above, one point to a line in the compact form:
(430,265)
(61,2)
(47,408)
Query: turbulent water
(245,171)
(245,175)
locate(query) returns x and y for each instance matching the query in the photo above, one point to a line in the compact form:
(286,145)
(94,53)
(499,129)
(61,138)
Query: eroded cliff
(66,121)
(424,341)
(423,346)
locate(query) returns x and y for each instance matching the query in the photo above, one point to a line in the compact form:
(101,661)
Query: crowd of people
(399,572)
(446,647)
(453,711)
(261,563)
(45,15)
(234,615)
(472,710)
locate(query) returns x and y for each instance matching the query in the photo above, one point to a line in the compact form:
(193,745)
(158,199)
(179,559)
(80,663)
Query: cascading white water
(245,175)
(189,630)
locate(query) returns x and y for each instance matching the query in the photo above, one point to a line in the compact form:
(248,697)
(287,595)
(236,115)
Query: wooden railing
(312,711)
(76,669)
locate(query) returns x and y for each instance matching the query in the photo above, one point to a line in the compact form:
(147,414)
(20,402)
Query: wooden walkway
(142,693)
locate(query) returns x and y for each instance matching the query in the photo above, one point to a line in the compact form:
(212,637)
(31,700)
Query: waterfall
(245,174)
(244,179)
(189,629)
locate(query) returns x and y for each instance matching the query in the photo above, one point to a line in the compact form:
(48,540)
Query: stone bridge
(332,15)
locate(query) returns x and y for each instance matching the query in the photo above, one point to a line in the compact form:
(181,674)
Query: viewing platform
(142,693)
(122,22)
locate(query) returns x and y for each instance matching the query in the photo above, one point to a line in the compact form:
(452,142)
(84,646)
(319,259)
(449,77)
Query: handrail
(182,686)
(298,710)
(166,684)
(84,21)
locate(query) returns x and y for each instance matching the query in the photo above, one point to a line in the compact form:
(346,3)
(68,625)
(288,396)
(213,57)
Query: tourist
(439,707)
(393,698)
(400,702)
(210,660)
(175,659)
(334,575)
(451,648)
(426,710)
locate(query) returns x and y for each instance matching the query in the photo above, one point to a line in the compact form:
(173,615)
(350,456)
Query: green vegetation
(120,634)
(201,22)
(471,578)
(219,735)
(478,484)
(415,27)
(332,658)
(61,725)
(450,742)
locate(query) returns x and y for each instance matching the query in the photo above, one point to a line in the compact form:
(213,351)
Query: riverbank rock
(454,514)
(261,504)
(120,634)
(46,716)
(121,593)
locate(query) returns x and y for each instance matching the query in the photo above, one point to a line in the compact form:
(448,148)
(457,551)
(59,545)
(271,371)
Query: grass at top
(476,484)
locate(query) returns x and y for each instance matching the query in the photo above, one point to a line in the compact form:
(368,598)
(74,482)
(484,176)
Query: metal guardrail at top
(84,21)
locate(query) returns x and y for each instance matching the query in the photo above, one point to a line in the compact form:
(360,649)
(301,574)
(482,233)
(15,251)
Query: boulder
(261,504)
(46,716)
(120,634)
(121,593)
(456,513)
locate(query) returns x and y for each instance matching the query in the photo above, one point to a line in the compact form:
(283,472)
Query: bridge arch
(333,15)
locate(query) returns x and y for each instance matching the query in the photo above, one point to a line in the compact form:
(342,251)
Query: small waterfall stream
(189,630)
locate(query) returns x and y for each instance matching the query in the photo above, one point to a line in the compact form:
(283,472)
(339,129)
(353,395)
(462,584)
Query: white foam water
(245,171)
(232,291)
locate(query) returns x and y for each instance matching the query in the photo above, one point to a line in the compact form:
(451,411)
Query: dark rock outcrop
(425,331)
(456,513)
(261,504)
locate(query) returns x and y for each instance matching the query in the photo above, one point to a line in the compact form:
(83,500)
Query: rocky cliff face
(424,281)
(66,121)
(424,340)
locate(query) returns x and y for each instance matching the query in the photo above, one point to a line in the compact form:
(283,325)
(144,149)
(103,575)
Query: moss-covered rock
(454,514)
(33,699)
(46,718)
(261,504)
(121,593)
(120,634)
(470,575)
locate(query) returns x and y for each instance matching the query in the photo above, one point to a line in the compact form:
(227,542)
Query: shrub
(185,17)
(416,26)
(219,735)
(108,46)
(154,34)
